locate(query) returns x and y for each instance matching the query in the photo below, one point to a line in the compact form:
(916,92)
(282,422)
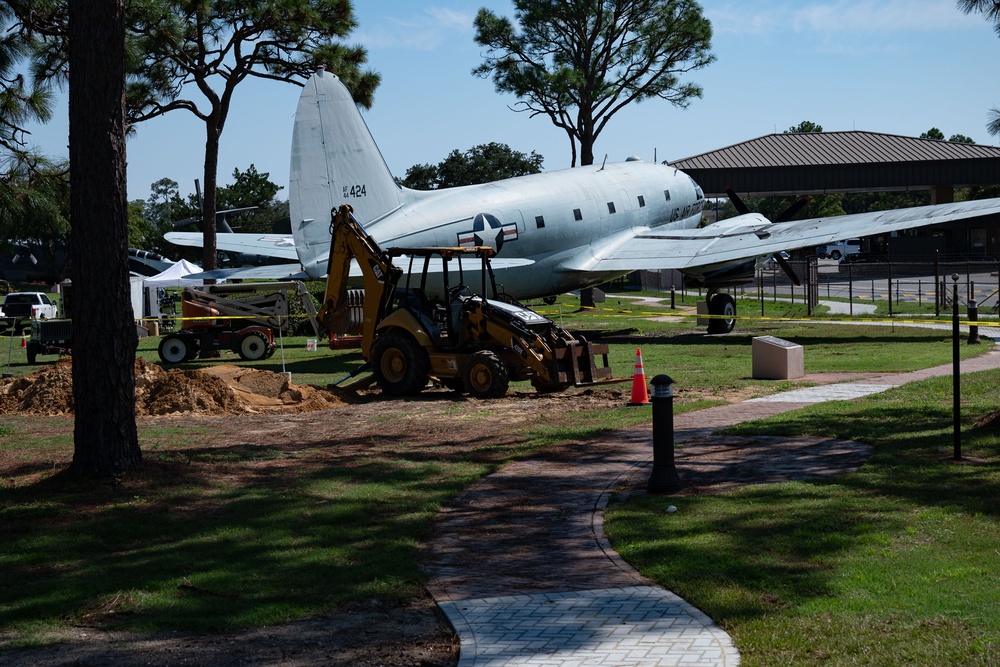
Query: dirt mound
(223,389)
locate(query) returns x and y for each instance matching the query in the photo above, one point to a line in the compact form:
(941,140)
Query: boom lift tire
(174,350)
(400,364)
(253,346)
(486,376)
(725,305)
(194,349)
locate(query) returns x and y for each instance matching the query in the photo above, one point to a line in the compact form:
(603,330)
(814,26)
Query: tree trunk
(106,443)
(585,128)
(210,203)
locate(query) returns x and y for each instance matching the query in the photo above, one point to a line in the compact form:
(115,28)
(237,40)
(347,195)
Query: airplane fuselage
(549,218)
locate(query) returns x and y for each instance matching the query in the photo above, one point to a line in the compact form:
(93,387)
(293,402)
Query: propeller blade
(790,212)
(787,268)
(741,208)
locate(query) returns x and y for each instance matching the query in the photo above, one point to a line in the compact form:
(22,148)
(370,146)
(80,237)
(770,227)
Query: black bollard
(664,477)
(973,317)
(956,375)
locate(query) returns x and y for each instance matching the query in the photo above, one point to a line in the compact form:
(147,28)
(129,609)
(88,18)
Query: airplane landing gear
(725,305)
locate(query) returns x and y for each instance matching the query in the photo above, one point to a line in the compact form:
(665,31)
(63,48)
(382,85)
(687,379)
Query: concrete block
(701,308)
(777,359)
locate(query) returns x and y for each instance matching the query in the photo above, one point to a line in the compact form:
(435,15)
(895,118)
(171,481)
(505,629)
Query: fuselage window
(577,214)
(642,201)
(666,193)
(611,207)
(539,221)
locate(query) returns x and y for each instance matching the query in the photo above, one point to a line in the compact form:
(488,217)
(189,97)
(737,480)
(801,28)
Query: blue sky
(893,66)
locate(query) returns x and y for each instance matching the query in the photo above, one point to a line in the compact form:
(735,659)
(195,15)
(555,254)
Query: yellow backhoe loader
(434,326)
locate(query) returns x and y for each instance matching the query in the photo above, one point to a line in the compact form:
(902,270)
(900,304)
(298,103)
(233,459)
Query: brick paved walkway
(521,566)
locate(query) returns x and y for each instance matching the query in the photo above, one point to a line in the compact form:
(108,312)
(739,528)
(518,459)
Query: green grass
(193,552)
(893,564)
(185,547)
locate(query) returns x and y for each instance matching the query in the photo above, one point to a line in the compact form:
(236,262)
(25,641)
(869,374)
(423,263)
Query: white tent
(175,276)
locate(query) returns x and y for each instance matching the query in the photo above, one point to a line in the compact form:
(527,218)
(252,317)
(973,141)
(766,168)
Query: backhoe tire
(253,346)
(173,350)
(486,376)
(725,305)
(400,365)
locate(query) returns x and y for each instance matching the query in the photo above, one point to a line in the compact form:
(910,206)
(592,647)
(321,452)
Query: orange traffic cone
(24,340)
(639,395)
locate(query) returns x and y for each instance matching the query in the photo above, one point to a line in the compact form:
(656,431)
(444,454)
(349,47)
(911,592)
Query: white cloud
(839,16)
(427,30)
(880,16)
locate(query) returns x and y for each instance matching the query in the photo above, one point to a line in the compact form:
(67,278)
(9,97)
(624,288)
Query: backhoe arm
(350,241)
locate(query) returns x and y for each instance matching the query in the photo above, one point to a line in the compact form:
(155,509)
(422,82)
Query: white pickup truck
(22,306)
(839,249)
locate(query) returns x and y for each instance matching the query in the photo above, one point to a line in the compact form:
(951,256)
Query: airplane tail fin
(334,161)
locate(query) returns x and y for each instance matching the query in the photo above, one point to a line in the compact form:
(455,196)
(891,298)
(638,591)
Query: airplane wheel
(549,300)
(173,350)
(722,304)
(400,365)
(253,346)
(485,376)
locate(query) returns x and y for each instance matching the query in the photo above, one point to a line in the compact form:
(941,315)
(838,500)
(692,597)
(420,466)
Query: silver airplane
(553,232)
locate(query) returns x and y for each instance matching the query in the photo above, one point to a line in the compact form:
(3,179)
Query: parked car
(839,249)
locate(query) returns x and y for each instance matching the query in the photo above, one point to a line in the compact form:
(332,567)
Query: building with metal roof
(832,162)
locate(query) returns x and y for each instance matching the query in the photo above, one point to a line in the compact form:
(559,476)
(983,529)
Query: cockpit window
(698,193)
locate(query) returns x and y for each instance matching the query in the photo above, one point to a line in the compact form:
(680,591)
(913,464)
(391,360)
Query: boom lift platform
(215,318)
(434,326)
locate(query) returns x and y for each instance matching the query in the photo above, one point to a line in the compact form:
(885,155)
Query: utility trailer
(49,337)
(217,317)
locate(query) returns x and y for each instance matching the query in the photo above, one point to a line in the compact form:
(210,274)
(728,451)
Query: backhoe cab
(435,326)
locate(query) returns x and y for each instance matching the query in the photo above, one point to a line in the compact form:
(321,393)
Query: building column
(942,194)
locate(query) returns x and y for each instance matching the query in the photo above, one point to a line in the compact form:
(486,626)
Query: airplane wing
(279,246)
(270,272)
(752,235)
(295,272)
(403,261)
